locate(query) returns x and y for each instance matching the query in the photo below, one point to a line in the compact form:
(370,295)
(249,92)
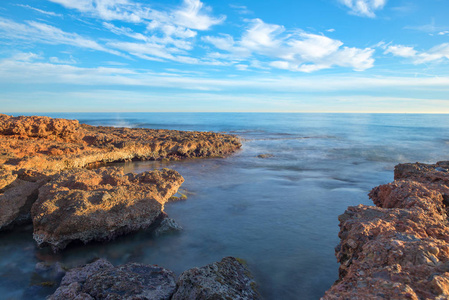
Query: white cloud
(294,51)
(191,15)
(48,13)
(364,8)
(32,31)
(402,51)
(166,31)
(434,54)
(25,68)
(241,9)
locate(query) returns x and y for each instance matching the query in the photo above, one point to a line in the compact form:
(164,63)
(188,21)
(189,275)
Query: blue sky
(191,55)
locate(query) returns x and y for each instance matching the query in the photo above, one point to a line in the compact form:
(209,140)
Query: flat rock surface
(85,205)
(399,249)
(227,279)
(44,143)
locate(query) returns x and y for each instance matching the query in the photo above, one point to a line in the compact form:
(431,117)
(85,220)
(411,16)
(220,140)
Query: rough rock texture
(43,143)
(227,279)
(35,148)
(400,249)
(131,281)
(85,205)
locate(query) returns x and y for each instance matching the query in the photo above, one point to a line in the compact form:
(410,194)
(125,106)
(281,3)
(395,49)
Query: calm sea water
(278,213)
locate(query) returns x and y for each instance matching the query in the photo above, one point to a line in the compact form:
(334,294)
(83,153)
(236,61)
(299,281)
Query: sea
(274,203)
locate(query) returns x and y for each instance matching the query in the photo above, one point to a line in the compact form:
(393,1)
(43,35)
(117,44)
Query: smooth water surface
(278,213)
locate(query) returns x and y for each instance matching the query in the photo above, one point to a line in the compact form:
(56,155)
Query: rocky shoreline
(43,176)
(400,248)
(227,279)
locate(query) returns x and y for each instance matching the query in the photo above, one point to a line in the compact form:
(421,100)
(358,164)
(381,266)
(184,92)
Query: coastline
(37,175)
(400,248)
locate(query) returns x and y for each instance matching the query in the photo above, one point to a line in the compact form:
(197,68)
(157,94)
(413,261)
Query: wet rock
(52,272)
(400,249)
(227,279)
(84,205)
(266,155)
(168,225)
(131,281)
(101,280)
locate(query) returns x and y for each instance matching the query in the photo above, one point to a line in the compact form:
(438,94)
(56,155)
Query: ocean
(278,212)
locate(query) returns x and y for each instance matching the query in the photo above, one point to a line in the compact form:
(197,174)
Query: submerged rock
(227,279)
(99,204)
(400,249)
(167,225)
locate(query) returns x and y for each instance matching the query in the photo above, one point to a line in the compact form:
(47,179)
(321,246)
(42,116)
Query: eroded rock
(101,280)
(99,204)
(227,279)
(400,249)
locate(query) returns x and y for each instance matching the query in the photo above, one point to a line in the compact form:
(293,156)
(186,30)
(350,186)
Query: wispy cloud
(295,50)
(192,14)
(32,31)
(241,9)
(30,69)
(435,54)
(364,8)
(429,28)
(48,13)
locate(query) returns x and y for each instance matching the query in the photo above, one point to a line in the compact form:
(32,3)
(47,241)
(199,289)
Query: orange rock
(100,204)
(398,250)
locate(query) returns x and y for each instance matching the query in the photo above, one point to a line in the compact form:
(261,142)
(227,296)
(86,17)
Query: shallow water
(278,213)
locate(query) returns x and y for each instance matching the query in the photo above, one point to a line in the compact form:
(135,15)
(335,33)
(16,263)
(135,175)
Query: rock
(227,279)
(16,202)
(101,280)
(99,204)
(79,275)
(6,178)
(400,249)
(267,155)
(44,143)
(51,272)
(167,225)
(131,281)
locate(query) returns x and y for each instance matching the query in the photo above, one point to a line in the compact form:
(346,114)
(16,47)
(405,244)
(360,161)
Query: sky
(386,56)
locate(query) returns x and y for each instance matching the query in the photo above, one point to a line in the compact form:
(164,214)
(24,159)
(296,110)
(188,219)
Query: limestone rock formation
(227,279)
(85,205)
(42,143)
(400,249)
(36,148)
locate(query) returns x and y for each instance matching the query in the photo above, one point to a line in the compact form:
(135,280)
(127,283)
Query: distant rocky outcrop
(42,143)
(223,280)
(399,249)
(84,205)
